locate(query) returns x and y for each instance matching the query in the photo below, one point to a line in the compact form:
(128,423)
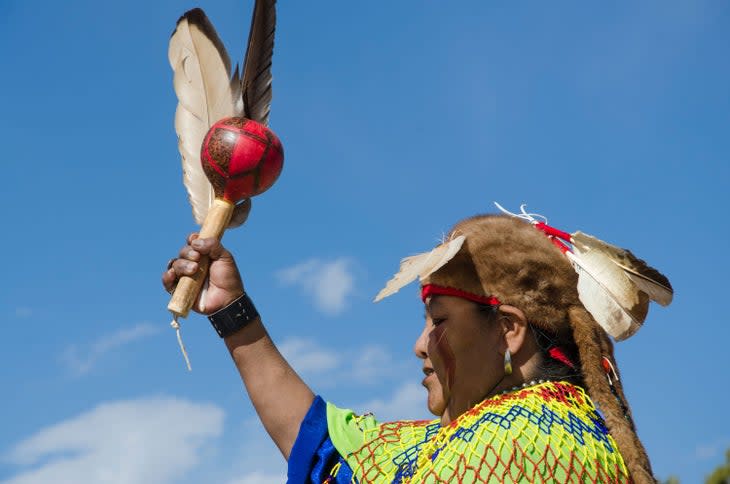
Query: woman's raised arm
(279,395)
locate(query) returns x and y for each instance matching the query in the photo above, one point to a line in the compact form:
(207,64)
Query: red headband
(433,289)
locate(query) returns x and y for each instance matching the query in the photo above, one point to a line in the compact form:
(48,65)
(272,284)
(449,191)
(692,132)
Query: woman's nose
(421,346)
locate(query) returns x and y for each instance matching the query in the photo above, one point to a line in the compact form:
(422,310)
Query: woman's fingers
(169,279)
(189,253)
(211,247)
(187,262)
(193,252)
(185,265)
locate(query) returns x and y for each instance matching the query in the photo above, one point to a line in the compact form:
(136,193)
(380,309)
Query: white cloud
(407,402)
(330,283)
(710,450)
(370,363)
(253,458)
(81,359)
(127,442)
(307,357)
(23,312)
(367,364)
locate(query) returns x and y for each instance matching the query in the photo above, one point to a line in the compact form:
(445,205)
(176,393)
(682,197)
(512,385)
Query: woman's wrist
(234,317)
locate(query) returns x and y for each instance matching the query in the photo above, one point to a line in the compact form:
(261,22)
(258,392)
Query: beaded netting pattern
(546,433)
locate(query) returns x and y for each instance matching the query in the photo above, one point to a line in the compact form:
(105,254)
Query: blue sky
(398,119)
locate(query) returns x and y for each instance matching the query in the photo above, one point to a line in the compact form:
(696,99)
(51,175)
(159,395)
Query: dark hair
(549,367)
(552,368)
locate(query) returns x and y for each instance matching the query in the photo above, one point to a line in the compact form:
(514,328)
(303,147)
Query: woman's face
(459,347)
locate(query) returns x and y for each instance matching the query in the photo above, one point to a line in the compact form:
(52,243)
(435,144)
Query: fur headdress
(506,260)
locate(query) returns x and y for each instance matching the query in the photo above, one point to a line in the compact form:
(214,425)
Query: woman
(513,364)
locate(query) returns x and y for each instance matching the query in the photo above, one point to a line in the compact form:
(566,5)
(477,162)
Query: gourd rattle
(228,153)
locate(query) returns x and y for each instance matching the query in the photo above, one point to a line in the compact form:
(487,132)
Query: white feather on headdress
(614,285)
(421,266)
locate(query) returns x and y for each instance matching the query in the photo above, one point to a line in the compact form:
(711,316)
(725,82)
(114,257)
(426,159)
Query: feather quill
(421,266)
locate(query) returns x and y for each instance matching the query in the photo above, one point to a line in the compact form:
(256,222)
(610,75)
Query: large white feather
(421,266)
(608,294)
(203,86)
(646,278)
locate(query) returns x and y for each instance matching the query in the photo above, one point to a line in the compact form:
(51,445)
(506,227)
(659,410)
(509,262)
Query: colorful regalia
(575,299)
(549,432)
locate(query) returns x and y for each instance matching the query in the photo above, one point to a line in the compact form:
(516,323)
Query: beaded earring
(507,362)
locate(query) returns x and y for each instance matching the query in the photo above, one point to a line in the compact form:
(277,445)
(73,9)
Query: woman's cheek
(439,344)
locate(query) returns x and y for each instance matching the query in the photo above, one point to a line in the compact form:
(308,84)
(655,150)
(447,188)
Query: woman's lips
(428,372)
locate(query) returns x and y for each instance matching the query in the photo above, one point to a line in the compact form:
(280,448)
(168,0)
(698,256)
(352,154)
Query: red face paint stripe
(446,354)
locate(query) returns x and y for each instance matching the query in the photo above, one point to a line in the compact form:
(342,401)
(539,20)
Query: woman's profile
(519,374)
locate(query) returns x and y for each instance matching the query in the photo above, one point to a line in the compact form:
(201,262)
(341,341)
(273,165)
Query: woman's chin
(436,403)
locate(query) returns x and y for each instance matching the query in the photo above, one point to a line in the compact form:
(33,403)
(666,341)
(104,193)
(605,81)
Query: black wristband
(234,316)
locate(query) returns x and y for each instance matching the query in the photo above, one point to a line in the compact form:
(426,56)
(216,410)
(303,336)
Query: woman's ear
(513,323)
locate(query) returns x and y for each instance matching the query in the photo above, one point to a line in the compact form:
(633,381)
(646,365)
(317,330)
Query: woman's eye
(437,321)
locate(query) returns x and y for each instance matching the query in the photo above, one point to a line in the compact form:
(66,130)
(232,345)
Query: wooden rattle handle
(188,287)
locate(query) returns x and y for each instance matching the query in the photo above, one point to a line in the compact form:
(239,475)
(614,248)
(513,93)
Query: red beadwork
(606,365)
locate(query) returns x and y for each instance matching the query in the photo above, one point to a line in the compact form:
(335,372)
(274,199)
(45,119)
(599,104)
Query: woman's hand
(225,284)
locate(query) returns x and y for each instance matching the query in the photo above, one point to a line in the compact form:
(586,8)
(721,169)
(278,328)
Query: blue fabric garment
(313,455)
